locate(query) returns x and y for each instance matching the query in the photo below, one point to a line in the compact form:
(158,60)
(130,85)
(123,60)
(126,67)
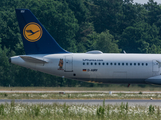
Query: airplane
(44,54)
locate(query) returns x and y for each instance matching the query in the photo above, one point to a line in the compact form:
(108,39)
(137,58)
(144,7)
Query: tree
(154,11)
(61,22)
(9,29)
(79,9)
(104,42)
(106,15)
(139,38)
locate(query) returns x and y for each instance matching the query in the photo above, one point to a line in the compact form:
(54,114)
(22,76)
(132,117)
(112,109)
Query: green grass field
(16,111)
(80,96)
(111,87)
(85,95)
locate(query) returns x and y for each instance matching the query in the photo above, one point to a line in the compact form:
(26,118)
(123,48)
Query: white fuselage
(97,68)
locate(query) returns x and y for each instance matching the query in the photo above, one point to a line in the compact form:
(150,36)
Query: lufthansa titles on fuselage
(92,59)
(88,70)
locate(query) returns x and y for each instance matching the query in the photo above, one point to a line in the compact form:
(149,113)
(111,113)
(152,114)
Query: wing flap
(33,59)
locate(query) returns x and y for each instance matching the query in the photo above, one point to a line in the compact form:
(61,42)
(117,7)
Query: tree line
(78,26)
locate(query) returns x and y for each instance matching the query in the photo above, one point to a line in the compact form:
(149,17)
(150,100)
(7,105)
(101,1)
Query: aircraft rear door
(155,65)
(68,63)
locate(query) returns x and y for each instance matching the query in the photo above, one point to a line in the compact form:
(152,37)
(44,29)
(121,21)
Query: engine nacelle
(154,80)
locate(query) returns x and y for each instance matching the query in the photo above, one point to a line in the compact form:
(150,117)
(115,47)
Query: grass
(138,95)
(16,111)
(90,94)
(111,87)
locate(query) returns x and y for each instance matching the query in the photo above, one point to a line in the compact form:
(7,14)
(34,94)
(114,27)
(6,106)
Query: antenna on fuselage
(124,51)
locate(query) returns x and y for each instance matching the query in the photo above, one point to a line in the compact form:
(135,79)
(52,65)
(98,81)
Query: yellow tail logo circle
(32,32)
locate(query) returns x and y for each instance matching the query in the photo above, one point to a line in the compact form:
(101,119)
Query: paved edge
(159,92)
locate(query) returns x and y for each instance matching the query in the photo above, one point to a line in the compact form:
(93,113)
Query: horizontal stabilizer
(33,60)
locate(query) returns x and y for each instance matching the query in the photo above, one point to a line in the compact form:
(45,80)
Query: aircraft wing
(33,59)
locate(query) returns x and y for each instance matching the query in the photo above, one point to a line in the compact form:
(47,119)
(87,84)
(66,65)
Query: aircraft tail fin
(36,38)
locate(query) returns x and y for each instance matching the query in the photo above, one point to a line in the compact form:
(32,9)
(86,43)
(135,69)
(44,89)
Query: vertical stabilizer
(36,38)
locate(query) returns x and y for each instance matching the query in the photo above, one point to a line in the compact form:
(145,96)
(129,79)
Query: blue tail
(35,37)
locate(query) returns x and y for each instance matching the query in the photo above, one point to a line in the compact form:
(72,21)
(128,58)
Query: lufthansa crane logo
(32,32)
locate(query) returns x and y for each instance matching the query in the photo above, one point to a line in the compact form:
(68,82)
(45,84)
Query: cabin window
(130,63)
(142,64)
(146,64)
(122,63)
(134,63)
(126,63)
(103,63)
(99,63)
(83,63)
(138,64)
(106,63)
(118,63)
(87,63)
(114,63)
(91,63)
(111,63)
(95,63)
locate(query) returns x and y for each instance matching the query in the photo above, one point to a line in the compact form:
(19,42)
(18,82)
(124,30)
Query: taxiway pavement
(16,91)
(85,102)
